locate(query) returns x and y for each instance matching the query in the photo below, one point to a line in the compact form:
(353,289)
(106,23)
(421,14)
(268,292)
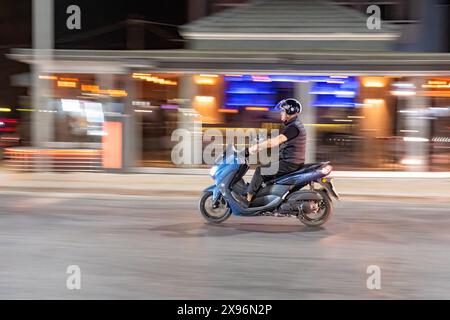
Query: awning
(184,60)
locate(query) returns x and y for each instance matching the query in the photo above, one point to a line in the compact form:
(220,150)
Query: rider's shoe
(242,199)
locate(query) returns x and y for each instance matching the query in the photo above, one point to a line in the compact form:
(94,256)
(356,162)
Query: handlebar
(244,153)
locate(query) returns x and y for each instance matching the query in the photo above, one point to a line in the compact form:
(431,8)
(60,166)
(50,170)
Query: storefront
(366,107)
(357,119)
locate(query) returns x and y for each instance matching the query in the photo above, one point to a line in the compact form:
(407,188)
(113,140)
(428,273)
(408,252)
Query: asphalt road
(159,248)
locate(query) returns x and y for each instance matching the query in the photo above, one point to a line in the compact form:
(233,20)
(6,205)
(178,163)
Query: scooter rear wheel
(325,211)
(210,214)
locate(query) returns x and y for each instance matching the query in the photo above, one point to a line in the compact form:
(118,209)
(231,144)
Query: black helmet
(291,106)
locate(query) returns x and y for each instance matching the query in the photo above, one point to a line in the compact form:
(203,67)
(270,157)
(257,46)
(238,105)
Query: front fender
(210,188)
(215,191)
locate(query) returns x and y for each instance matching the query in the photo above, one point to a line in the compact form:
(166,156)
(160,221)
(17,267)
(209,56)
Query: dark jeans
(284,167)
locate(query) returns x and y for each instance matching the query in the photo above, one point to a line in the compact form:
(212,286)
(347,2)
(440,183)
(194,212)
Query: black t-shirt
(290,132)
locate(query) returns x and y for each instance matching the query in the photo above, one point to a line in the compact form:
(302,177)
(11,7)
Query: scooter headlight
(213,171)
(326,170)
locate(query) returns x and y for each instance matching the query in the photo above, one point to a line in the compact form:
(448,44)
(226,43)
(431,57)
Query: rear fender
(328,186)
(305,195)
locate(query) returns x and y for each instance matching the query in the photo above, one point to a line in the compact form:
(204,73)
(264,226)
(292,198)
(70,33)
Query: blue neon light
(329,91)
(249,93)
(335,92)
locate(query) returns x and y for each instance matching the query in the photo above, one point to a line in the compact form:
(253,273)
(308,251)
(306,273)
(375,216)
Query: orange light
(48,77)
(205,81)
(229,110)
(111,92)
(88,87)
(149,78)
(67,84)
(437,93)
(138,74)
(373,102)
(204,99)
(115,93)
(373,82)
(112,145)
(69,79)
(437,84)
(257,109)
(54,152)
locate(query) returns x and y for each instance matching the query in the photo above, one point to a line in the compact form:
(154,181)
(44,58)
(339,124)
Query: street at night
(143,247)
(242,154)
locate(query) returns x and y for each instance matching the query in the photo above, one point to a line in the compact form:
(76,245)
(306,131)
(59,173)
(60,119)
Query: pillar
(187,93)
(417,126)
(132,128)
(308,117)
(42,130)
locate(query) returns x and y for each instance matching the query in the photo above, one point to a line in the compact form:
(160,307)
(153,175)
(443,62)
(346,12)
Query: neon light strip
(169,106)
(284,36)
(256,109)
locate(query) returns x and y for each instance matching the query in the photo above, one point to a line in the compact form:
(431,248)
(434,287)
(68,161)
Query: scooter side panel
(263,201)
(274,189)
(223,179)
(225,170)
(269,194)
(300,179)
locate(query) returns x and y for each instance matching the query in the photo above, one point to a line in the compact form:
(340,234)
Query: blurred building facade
(369,102)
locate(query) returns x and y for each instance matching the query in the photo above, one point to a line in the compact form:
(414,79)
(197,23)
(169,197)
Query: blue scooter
(282,196)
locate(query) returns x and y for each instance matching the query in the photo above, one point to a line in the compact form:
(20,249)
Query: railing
(62,160)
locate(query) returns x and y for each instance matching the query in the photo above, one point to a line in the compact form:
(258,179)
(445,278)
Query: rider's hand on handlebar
(244,152)
(253,149)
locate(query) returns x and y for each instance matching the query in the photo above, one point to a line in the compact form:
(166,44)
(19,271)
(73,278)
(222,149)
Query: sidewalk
(192,185)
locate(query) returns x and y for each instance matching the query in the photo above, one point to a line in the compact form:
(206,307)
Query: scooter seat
(309,167)
(306,168)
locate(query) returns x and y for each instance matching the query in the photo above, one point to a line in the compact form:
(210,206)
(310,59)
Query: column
(42,123)
(187,93)
(417,126)
(308,117)
(132,127)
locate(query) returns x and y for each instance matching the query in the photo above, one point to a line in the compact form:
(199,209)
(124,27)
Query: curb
(59,192)
(340,174)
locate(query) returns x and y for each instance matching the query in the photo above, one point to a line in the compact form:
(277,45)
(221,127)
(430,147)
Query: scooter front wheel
(210,214)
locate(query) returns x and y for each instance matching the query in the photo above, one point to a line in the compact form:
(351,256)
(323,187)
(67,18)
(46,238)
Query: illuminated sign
(262,91)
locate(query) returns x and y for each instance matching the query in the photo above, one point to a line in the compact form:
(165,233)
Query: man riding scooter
(292,143)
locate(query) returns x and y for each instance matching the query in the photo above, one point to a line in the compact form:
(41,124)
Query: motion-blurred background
(91,92)
(107,96)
